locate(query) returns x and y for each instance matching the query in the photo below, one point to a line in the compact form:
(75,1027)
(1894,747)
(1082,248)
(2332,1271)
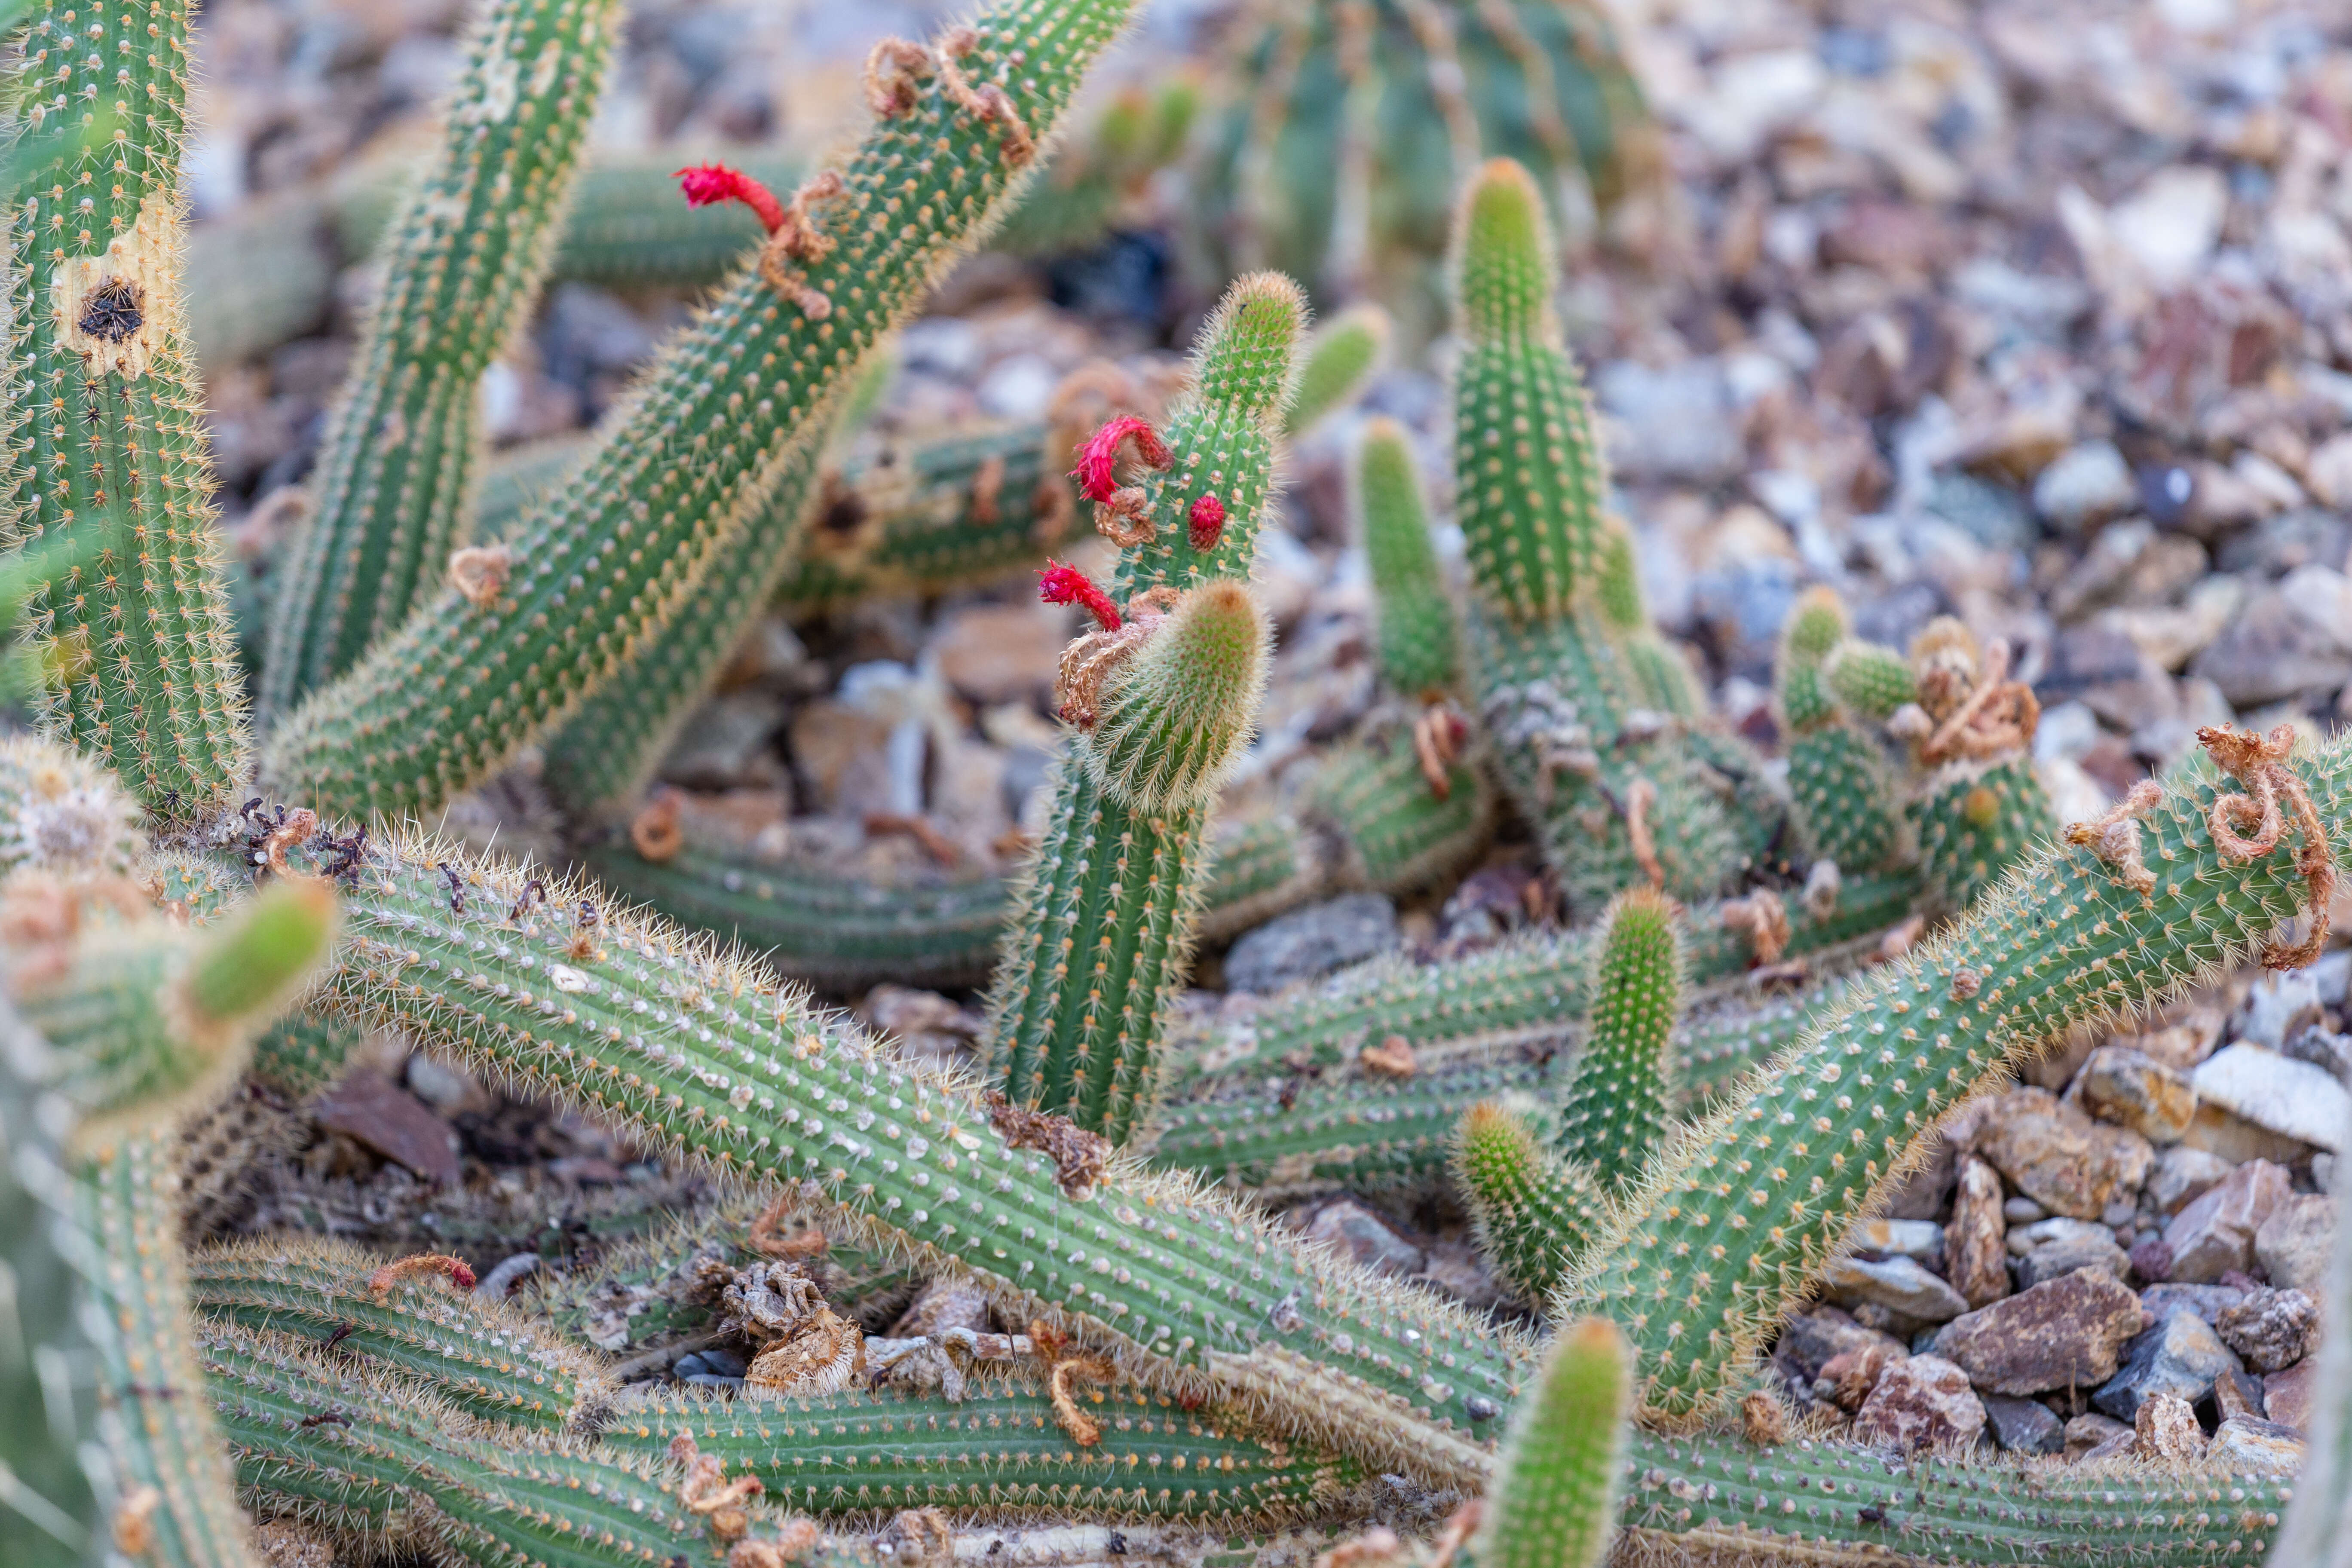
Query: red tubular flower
(1208,520)
(706,185)
(1060,583)
(1100,453)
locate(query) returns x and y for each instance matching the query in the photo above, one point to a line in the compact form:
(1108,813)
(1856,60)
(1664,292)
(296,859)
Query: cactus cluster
(1102,1341)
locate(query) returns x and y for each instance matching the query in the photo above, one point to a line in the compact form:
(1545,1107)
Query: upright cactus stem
(1163,692)
(1701,1263)
(1615,1115)
(1621,792)
(1554,1501)
(496,662)
(1416,633)
(1842,797)
(468,250)
(138,643)
(1342,356)
(1537,1213)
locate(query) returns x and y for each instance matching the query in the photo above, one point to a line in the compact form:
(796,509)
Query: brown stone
(1975,1243)
(1922,1402)
(2266,1447)
(371,1111)
(1001,653)
(2067,1332)
(2235,1139)
(2287,1394)
(2215,1233)
(2270,1328)
(1850,1376)
(2089,1432)
(2135,1092)
(2167,1428)
(2293,1243)
(2061,1158)
(1810,1341)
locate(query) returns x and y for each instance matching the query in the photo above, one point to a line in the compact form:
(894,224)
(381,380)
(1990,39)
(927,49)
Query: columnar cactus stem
(1103,930)
(1198,1295)
(629,541)
(138,641)
(1614,1115)
(1554,1501)
(1342,356)
(1842,794)
(1976,805)
(1398,830)
(1537,1212)
(469,247)
(1419,641)
(1732,1231)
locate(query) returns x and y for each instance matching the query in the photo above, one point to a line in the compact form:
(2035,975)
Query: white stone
(1898,1284)
(2026,1238)
(2300,1100)
(1919,1238)
(2169,226)
(1753,95)
(2084,485)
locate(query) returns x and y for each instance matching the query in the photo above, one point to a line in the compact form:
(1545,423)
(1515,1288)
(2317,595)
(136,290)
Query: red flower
(1100,453)
(1060,583)
(706,185)
(1208,520)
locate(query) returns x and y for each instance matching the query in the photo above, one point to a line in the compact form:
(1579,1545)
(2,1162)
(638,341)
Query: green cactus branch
(468,250)
(1553,1504)
(622,549)
(1614,1113)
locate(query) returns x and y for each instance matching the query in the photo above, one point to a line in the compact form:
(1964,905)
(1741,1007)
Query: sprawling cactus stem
(1104,928)
(138,643)
(999,1452)
(1620,792)
(1841,797)
(1554,1501)
(1707,1257)
(1615,1113)
(1977,805)
(624,546)
(1342,356)
(1406,800)
(1536,1212)
(469,247)
(1871,680)
(480,1355)
(1198,1295)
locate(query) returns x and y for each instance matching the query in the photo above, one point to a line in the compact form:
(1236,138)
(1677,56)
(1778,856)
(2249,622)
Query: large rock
(2292,1244)
(2055,1260)
(372,1111)
(2287,1394)
(1313,941)
(2058,1157)
(2181,1355)
(1901,1285)
(2216,1233)
(2182,1175)
(1975,1243)
(1923,1403)
(2064,1333)
(2137,1091)
(2023,1425)
(2271,1330)
(2266,1447)
(2301,1101)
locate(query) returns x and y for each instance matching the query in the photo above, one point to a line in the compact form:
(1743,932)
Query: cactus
(1553,1503)
(1976,805)
(1344,130)
(1343,355)
(1418,640)
(1871,682)
(2079,935)
(1076,197)
(462,685)
(1398,833)
(1842,799)
(1538,1212)
(468,248)
(1614,1114)
(1103,929)
(137,646)
(2316,1528)
(1620,796)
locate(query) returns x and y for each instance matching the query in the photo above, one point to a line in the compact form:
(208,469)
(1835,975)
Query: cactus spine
(2079,935)
(1841,797)
(1619,802)
(1553,1504)
(138,643)
(462,685)
(1103,929)
(468,250)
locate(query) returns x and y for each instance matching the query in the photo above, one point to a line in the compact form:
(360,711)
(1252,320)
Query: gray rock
(1678,423)
(1810,1341)
(1901,1285)
(2268,654)
(2298,1099)
(2066,1332)
(2279,1006)
(1357,1233)
(2322,1049)
(2271,1330)
(2022,1210)
(1916,1238)
(2063,1258)
(2023,1425)
(1923,1403)
(2216,1233)
(2026,1238)
(2183,1175)
(2293,1243)
(2086,484)
(2266,1447)
(1313,941)
(2207,1301)
(2181,1355)
(726,743)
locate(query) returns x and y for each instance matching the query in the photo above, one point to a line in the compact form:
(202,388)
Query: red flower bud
(1100,453)
(1208,520)
(1060,583)
(706,185)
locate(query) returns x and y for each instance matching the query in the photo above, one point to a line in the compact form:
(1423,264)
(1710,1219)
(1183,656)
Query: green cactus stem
(1418,638)
(1537,1211)
(137,646)
(468,252)
(1976,805)
(999,1452)
(1343,354)
(1103,930)
(1398,833)
(1872,681)
(1842,797)
(1614,1115)
(625,546)
(1554,1501)
(1260,866)
(1076,198)
(1194,1294)
(1732,1231)
(482,1356)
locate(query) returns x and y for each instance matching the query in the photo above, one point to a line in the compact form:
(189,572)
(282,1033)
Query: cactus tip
(707,184)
